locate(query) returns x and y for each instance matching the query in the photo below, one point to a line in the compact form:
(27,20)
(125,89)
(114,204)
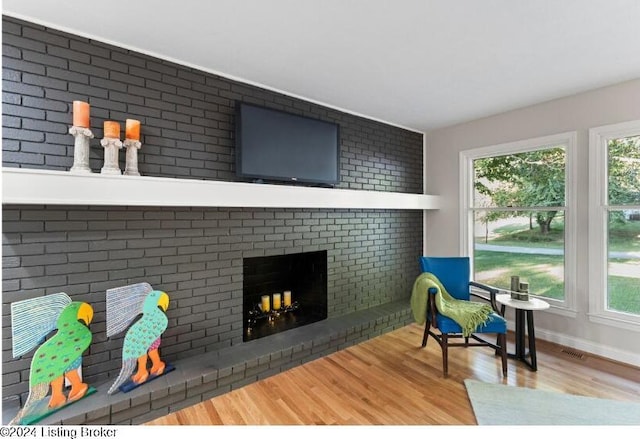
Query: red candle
(111,129)
(80,114)
(132,129)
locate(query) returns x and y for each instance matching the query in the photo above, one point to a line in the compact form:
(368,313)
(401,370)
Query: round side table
(523,308)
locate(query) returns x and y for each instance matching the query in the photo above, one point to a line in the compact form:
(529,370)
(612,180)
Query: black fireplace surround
(303,274)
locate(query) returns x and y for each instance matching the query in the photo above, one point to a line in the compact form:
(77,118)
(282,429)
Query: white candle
(287,298)
(266,304)
(277,301)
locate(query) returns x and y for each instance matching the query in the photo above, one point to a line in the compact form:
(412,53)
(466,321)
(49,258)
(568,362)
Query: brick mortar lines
(187,115)
(195,254)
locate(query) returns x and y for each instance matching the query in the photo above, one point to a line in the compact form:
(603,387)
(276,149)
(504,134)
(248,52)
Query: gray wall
(195,254)
(609,105)
(186,115)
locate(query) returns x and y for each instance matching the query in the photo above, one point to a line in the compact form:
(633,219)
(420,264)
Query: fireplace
(283,292)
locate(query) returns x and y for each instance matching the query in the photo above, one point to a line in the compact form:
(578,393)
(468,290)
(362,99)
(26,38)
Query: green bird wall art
(142,340)
(58,358)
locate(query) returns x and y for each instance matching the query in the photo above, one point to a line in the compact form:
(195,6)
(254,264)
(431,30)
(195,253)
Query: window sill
(617,322)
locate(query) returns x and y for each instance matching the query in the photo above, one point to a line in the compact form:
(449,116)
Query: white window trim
(569,139)
(598,209)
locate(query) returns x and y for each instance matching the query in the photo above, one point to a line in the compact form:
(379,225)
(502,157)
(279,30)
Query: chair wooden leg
(503,352)
(425,337)
(445,354)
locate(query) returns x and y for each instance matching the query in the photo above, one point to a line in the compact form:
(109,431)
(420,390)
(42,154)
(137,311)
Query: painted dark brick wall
(186,115)
(195,254)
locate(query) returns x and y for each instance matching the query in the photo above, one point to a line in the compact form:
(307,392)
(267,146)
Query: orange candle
(132,129)
(111,129)
(80,114)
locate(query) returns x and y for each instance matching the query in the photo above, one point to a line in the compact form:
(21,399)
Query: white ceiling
(420,64)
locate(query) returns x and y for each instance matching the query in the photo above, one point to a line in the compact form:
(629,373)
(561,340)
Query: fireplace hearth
(283,292)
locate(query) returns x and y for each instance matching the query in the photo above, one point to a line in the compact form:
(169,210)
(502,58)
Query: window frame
(598,224)
(567,306)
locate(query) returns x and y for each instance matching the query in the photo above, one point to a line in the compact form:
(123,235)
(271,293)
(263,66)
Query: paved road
(546,251)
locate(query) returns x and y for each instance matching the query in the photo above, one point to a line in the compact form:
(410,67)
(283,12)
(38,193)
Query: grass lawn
(624,294)
(545,275)
(625,237)
(532,237)
(622,236)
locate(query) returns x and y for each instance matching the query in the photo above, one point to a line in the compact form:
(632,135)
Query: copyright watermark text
(57,432)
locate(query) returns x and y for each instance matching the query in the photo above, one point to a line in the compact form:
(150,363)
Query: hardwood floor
(390,380)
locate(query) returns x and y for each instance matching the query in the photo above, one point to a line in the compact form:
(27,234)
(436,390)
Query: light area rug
(500,404)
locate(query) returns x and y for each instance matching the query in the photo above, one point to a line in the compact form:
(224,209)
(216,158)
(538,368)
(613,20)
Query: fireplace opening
(283,292)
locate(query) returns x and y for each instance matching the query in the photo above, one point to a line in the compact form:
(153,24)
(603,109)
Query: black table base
(521,354)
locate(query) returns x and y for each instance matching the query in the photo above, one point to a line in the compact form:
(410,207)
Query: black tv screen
(275,145)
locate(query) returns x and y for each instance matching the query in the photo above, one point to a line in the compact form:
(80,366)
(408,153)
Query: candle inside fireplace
(287,298)
(111,129)
(80,114)
(277,301)
(266,305)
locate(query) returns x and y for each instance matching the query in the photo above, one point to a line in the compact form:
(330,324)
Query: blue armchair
(454,274)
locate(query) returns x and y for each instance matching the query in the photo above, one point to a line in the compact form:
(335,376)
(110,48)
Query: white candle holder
(131,167)
(82,137)
(111,162)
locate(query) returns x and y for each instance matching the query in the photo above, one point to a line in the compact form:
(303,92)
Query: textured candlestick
(131,165)
(111,147)
(81,149)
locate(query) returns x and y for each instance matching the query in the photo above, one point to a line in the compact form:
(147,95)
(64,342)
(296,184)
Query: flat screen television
(280,146)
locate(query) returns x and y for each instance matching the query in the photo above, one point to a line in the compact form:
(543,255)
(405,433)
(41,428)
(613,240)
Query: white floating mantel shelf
(35,186)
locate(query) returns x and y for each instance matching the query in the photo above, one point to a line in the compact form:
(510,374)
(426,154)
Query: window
(614,228)
(518,215)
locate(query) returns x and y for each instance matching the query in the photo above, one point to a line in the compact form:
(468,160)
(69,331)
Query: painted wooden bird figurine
(57,358)
(142,340)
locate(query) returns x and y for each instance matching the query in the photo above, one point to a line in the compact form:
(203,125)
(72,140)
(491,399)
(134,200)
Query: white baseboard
(622,356)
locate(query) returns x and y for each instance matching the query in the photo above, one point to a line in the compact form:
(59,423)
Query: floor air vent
(574,354)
